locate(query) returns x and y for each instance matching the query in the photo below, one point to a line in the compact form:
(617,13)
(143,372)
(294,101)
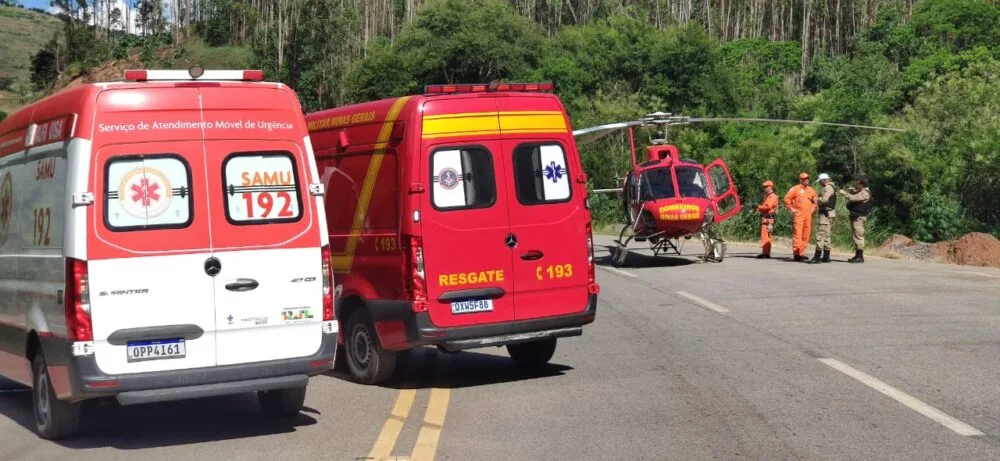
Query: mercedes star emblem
(510,240)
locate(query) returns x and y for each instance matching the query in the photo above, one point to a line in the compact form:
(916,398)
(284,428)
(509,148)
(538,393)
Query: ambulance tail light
(414,279)
(327,284)
(77,301)
(592,285)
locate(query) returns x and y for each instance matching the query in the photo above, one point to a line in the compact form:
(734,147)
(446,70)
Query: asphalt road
(744,359)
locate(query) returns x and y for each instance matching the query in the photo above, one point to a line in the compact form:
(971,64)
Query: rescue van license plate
(472,305)
(140,351)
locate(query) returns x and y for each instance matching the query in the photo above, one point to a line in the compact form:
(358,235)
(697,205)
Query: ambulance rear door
(265,232)
(151,302)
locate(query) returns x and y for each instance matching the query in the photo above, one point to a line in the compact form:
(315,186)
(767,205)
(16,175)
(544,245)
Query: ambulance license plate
(141,351)
(472,305)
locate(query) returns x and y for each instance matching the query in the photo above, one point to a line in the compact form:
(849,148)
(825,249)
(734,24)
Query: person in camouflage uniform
(827,204)
(859,203)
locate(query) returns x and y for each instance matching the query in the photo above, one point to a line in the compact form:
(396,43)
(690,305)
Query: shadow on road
(108,424)
(642,260)
(426,367)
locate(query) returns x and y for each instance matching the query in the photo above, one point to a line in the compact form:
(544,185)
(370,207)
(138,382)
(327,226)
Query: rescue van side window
(463,178)
(541,174)
(261,188)
(144,192)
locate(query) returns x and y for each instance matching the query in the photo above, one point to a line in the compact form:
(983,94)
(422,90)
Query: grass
(22,32)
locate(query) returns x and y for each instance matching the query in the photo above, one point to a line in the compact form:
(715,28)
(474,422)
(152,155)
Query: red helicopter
(667,197)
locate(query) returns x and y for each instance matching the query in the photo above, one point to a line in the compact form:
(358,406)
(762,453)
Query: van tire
(54,418)
(373,364)
(282,402)
(533,355)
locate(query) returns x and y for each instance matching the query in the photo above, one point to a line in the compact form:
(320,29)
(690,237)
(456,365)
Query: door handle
(532,255)
(242,285)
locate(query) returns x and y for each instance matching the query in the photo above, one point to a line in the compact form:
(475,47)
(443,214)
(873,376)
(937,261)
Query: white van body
(162,240)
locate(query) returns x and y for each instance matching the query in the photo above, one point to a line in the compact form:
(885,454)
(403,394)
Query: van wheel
(282,402)
(533,355)
(368,361)
(54,418)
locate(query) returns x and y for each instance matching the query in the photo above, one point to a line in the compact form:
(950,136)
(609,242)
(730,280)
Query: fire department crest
(145,192)
(6,204)
(448,178)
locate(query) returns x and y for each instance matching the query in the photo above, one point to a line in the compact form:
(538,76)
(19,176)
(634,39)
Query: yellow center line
(393,425)
(430,431)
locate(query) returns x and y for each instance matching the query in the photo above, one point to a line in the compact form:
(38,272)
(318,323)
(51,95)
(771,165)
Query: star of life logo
(145,192)
(554,172)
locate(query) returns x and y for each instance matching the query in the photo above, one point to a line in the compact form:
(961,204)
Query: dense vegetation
(931,67)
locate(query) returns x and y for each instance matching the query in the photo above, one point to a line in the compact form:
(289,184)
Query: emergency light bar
(491,87)
(194,73)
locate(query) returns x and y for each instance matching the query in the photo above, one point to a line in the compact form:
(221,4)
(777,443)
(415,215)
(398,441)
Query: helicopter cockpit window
(541,174)
(462,178)
(658,183)
(691,181)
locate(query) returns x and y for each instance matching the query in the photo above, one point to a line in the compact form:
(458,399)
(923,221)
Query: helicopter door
(725,199)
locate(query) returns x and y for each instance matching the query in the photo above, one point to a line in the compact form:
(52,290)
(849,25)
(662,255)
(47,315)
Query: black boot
(859,257)
(826,256)
(763,256)
(816,256)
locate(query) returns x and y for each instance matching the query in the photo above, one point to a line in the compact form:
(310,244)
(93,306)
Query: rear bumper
(85,380)
(419,330)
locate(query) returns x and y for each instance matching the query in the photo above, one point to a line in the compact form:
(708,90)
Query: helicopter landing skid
(620,252)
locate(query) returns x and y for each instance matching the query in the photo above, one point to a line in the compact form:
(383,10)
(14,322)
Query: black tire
(54,418)
(533,355)
(368,361)
(282,402)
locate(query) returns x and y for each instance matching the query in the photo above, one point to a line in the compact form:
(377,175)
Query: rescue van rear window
(261,188)
(541,174)
(144,192)
(463,178)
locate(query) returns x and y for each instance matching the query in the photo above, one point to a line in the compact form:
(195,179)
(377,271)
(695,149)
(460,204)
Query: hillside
(22,33)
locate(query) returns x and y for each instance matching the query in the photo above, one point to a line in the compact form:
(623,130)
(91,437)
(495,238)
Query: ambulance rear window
(145,192)
(541,174)
(261,188)
(463,178)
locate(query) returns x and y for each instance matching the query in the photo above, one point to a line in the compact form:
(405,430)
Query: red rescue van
(460,220)
(162,238)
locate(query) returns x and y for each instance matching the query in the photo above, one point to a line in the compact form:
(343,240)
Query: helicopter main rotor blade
(591,134)
(810,122)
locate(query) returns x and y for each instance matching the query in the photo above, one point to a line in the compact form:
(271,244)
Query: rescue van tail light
(327,284)
(413,272)
(592,285)
(77,301)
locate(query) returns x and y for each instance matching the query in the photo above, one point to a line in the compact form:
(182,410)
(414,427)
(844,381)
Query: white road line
(616,271)
(985,275)
(706,304)
(912,402)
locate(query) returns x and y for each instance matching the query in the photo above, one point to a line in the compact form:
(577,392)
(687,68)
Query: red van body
(458,218)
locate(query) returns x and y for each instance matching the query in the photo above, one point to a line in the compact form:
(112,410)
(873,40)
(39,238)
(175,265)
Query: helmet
(768,183)
(823,176)
(803,175)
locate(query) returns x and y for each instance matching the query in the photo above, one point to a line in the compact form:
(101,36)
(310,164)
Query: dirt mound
(975,249)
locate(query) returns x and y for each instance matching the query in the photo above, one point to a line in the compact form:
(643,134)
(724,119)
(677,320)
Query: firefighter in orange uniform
(801,201)
(768,212)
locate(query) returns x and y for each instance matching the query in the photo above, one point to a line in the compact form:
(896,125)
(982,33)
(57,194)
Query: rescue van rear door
(151,302)
(548,218)
(268,291)
(466,233)
(547,211)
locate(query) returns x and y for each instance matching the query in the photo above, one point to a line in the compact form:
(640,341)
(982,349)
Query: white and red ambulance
(162,238)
